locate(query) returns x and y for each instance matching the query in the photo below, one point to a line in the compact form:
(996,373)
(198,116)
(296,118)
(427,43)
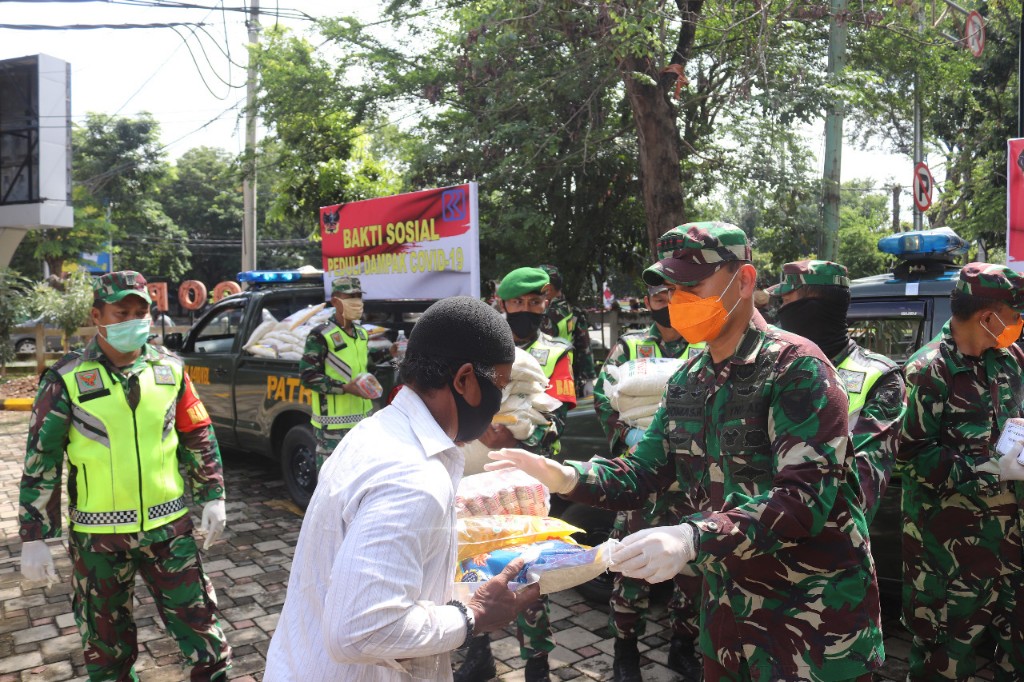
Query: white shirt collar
(431,436)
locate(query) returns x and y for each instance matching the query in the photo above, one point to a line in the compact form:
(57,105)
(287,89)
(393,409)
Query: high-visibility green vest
(649,348)
(858,380)
(566,326)
(346,357)
(125,462)
(547,350)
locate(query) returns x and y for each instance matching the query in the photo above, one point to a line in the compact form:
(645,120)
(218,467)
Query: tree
(65,303)
(13,294)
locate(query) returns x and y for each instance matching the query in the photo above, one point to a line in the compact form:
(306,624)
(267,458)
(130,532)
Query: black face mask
(473,421)
(525,324)
(821,321)
(661,316)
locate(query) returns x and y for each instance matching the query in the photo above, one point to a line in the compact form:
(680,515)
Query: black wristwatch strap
(470,620)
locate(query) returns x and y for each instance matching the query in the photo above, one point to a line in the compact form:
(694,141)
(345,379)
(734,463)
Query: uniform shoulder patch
(644,350)
(89,381)
(540,355)
(163,375)
(336,339)
(853,380)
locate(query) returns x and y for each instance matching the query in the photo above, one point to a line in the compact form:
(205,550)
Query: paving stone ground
(249,568)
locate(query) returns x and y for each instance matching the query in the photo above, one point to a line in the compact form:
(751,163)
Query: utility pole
(831,181)
(249,181)
(896,189)
(918,136)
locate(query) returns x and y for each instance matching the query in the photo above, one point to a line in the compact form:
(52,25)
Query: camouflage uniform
(631,597)
(105,564)
(569,323)
(874,384)
(790,588)
(962,543)
(313,372)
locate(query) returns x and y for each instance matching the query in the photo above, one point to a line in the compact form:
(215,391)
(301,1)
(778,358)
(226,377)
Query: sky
(128,71)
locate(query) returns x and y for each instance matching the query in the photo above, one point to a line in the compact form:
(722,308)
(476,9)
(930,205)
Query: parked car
(23,337)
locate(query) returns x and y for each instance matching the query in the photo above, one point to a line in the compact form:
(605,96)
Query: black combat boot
(479,663)
(683,659)
(537,669)
(626,667)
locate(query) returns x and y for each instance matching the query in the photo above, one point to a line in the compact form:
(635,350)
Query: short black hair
(430,373)
(839,296)
(964,305)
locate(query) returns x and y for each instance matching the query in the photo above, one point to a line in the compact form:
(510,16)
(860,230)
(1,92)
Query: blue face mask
(128,336)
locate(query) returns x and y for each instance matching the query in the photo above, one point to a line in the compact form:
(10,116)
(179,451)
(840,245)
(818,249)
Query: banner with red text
(1015,204)
(417,245)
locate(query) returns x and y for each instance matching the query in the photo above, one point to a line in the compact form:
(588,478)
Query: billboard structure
(35,148)
(420,245)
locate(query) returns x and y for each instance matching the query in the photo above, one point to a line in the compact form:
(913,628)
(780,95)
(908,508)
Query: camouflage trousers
(104,584)
(715,672)
(533,630)
(630,599)
(326,441)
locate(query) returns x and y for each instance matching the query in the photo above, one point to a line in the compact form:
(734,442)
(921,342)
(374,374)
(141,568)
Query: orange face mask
(1009,335)
(699,319)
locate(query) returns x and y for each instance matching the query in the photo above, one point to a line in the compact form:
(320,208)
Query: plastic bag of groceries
(505,491)
(556,564)
(480,534)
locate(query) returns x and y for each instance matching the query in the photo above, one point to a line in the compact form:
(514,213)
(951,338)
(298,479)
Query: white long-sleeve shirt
(375,561)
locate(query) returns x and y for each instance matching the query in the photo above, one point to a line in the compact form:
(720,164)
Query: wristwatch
(470,620)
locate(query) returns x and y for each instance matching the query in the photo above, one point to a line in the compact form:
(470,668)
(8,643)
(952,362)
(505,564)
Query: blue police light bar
(940,241)
(268,276)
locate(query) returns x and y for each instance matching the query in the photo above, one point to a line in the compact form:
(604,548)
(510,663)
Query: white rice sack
(638,413)
(526,368)
(542,402)
(268,322)
(646,376)
(262,351)
(629,403)
(298,318)
(475,453)
(515,403)
(521,430)
(322,316)
(643,422)
(291,355)
(526,387)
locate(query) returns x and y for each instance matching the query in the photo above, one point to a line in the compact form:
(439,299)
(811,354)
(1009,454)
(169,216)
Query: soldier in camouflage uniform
(758,422)
(523,302)
(125,413)
(815,296)
(335,352)
(630,597)
(963,573)
(569,323)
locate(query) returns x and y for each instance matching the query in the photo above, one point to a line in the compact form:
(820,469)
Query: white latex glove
(655,554)
(214,520)
(37,562)
(1010,468)
(558,478)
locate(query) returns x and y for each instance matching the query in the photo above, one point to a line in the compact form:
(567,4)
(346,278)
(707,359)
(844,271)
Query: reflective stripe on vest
(547,351)
(858,380)
(346,358)
(645,348)
(125,463)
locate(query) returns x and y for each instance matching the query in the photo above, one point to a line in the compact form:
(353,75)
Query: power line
(89,27)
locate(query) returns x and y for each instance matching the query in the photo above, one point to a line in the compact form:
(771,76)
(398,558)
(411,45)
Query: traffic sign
(974,33)
(923,184)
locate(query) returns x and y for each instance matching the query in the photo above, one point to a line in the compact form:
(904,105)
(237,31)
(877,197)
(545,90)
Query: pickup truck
(257,404)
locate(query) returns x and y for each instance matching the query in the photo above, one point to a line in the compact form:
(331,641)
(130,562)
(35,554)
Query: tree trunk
(658,141)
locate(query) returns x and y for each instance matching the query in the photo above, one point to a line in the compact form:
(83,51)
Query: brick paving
(249,568)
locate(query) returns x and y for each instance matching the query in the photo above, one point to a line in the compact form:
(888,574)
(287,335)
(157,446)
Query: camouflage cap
(991,281)
(113,286)
(692,252)
(522,281)
(554,275)
(346,284)
(810,272)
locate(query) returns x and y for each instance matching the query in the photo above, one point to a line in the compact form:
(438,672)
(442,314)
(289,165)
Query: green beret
(693,252)
(522,281)
(995,282)
(810,272)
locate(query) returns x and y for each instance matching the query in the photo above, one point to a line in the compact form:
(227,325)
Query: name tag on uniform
(163,375)
(854,380)
(540,355)
(89,381)
(337,340)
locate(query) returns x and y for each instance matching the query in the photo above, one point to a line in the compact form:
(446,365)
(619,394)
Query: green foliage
(13,307)
(65,303)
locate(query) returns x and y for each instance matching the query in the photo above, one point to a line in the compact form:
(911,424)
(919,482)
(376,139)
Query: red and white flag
(609,297)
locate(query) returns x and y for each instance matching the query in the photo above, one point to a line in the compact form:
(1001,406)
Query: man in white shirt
(370,593)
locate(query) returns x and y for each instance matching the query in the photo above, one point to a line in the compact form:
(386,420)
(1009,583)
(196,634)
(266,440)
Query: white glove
(558,478)
(37,562)
(655,554)
(1010,468)
(214,520)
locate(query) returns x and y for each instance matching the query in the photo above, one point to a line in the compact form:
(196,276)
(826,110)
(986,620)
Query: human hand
(497,436)
(214,522)
(37,562)
(1010,468)
(494,605)
(655,554)
(558,478)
